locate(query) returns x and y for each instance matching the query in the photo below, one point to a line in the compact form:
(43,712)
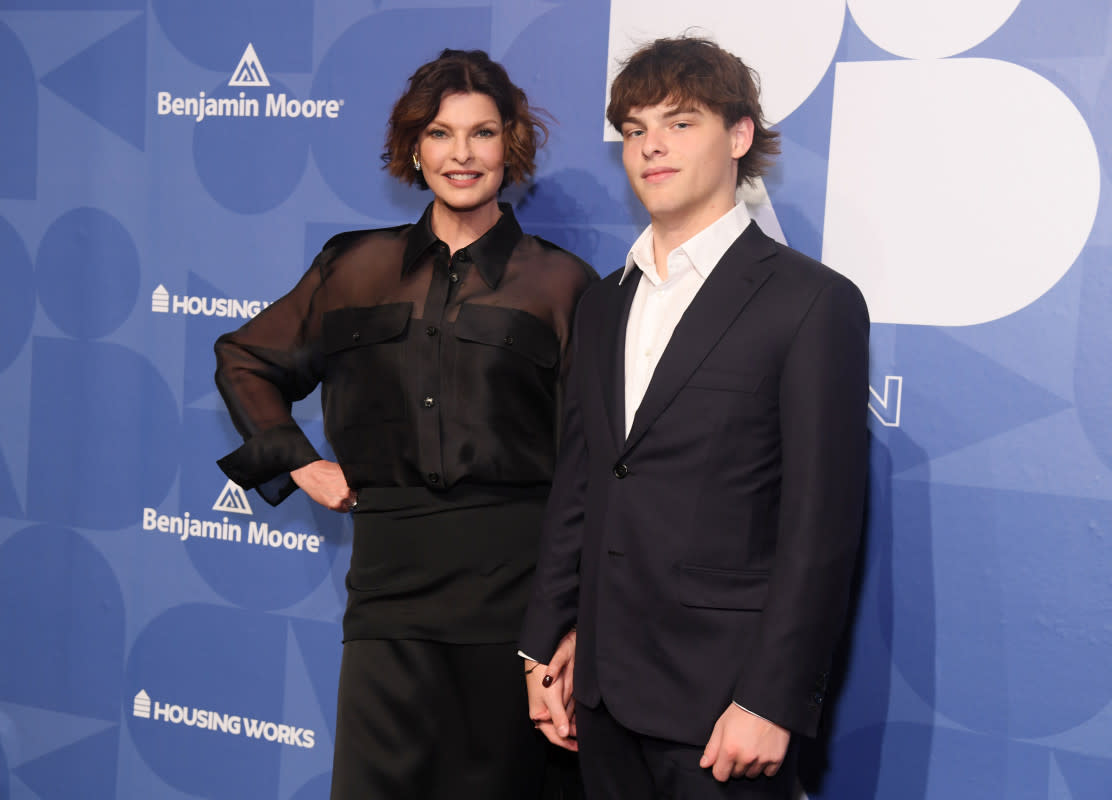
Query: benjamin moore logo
(162,302)
(248,74)
(232,724)
(233,499)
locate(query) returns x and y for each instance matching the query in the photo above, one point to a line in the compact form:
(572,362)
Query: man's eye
(683,125)
(634,132)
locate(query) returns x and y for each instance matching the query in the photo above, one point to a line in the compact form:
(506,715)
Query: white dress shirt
(658,303)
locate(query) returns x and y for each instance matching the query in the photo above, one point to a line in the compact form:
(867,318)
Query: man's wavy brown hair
(452,72)
(690,70)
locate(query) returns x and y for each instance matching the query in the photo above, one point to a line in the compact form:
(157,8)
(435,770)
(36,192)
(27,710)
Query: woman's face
(462,152)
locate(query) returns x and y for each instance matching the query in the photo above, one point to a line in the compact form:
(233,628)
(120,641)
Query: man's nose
(652,143)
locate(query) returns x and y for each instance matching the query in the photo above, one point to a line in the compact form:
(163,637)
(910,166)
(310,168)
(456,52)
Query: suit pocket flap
(710,587)
(345,328)
(725,380)
(509,329)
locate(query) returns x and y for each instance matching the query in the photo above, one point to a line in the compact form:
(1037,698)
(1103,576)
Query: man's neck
(671,232)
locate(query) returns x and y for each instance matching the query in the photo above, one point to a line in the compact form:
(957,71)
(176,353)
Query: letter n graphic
(233,499)
(249,71)
(886,407)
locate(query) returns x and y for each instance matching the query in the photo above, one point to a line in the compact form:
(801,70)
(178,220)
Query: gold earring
(416,163)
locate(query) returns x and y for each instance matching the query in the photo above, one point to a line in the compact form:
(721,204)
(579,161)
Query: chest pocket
(347,328)
(364,352)
(510,330)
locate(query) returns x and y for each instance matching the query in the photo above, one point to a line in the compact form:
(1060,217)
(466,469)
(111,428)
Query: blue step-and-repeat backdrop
(168,167)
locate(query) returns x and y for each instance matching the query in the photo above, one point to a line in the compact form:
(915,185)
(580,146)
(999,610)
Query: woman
(441,348)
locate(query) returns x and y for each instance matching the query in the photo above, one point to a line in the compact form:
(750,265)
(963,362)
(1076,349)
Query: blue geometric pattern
(18,131)
(108,82)
(178,638)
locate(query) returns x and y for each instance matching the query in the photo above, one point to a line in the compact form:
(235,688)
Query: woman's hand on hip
(324,481)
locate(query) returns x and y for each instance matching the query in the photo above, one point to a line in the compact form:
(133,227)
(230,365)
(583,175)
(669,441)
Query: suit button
(434,477)
(430,331)
(430,402)
(620,471)
(355,336)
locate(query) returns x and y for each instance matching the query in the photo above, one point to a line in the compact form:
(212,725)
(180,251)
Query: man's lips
(658,174)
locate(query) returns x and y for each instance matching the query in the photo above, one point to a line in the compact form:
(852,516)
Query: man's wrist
(755,714)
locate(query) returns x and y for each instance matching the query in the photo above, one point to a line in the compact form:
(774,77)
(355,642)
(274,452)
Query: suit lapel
(611,361)
(732,283)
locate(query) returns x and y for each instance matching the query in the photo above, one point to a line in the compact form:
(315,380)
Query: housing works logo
(162,302)
(143,707)
(248,74)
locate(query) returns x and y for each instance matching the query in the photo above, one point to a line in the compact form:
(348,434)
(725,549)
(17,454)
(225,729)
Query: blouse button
(355,336)
(434,477)
(430,331)
(463,256)
(430,401)
(453,276)
(509,340)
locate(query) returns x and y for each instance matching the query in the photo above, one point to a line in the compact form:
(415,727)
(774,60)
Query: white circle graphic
(941,204)
(930,28)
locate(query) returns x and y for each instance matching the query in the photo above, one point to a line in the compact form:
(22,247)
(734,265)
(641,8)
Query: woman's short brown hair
(452,72)
(693,70)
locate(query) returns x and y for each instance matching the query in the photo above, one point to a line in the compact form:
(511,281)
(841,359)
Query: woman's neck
(458,228)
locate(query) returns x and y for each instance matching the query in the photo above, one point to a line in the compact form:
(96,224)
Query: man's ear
(741,137)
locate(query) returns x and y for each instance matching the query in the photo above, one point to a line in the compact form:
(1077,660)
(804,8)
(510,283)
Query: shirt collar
(704,249)
(490,252)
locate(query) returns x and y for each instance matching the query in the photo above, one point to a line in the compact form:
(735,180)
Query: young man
(706,511)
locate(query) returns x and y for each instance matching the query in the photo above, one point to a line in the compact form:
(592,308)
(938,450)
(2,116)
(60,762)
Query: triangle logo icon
(233,499)
(249,71)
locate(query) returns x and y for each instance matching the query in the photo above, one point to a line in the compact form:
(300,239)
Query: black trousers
(420,720)
(619,764)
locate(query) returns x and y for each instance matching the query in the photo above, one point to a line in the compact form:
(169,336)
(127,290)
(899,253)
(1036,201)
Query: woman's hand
(551,705)
(324,481)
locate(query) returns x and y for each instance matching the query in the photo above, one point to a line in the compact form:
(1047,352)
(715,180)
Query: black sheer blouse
(437,370)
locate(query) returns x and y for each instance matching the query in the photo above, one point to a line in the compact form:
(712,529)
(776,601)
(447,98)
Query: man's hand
(551,706)
(324,481)
(744,744)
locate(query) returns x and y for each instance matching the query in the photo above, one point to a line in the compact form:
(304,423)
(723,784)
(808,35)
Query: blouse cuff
(265,460)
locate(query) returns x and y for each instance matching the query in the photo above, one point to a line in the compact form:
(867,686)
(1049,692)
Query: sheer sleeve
(261,370)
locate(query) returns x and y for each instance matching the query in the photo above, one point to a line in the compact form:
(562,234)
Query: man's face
(682,162)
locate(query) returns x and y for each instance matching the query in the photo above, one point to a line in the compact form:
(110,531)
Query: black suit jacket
(707,557)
